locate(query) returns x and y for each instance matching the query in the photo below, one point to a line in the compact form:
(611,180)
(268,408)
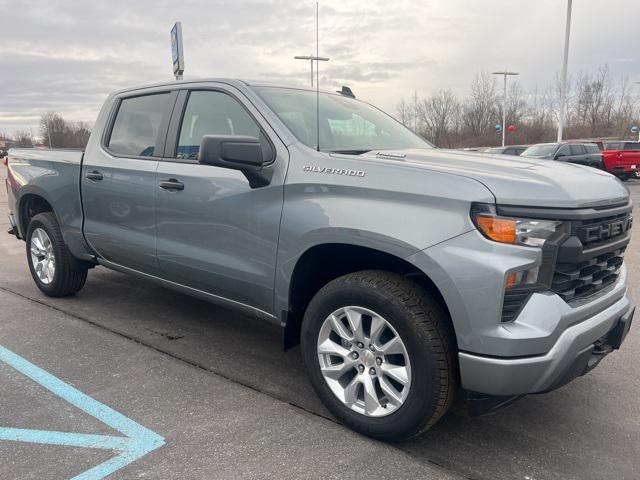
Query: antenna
(317,78)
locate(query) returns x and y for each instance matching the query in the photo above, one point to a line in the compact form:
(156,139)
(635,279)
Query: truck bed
(53,174)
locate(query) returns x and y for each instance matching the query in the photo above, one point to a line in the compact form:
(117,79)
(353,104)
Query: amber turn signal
(498,229)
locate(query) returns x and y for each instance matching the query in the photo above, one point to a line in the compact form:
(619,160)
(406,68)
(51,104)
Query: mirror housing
(252,156)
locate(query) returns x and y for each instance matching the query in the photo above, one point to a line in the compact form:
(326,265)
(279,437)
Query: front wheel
(52,265)
(380,354)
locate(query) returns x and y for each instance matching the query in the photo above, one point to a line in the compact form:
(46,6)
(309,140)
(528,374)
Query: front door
(119,182)
(214,232)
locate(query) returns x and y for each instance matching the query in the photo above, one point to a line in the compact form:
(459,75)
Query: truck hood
(520,180)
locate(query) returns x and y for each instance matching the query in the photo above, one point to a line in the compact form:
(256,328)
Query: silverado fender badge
(334,171)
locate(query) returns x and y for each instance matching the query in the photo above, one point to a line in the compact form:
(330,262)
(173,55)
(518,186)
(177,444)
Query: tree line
(598,106)
(55,131)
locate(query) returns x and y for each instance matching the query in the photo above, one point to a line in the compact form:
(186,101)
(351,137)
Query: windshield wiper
(350,152)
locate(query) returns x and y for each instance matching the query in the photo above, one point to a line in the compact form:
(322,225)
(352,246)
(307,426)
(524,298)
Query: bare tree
(439,113)
(480,109)
(54,130)
(415,111)
(59,133)
(23,139)
(404,112)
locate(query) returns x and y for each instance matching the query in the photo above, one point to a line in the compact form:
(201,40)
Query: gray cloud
(66,55)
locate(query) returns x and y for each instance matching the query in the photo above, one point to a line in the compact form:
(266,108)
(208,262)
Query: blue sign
(498,127)
(134,442)
(635,129)
(177,55)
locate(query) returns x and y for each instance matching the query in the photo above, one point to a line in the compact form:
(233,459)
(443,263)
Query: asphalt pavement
(229,403)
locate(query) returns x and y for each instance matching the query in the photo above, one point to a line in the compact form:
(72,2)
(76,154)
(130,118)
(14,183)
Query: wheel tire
(423,327)
(68,277)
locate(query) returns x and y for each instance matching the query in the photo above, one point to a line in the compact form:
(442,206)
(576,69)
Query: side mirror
(559,155)
(250,155)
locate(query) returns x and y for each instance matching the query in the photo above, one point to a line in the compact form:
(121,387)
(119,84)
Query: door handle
(94,175)
(171,184)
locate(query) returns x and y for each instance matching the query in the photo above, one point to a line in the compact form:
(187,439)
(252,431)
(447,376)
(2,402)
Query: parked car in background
(508,150)
(573,152)
(622,159)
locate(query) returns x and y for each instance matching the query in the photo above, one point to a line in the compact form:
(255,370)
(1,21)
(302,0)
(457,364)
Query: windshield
(542,150)
(346,125)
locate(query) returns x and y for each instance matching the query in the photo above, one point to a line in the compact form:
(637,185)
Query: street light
(311,59)
(505,74)
(638,83)
(563,80)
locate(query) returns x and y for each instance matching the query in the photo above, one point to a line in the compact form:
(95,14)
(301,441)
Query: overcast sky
(67,55)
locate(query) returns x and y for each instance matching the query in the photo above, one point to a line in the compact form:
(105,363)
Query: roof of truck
(229,81)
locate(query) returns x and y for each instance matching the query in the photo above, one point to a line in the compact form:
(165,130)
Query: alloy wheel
(42,257)
(364,361)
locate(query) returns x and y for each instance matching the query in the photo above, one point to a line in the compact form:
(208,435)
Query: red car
(622,159)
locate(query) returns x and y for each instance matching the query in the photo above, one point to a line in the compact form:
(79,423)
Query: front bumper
(578,350)
(547,344)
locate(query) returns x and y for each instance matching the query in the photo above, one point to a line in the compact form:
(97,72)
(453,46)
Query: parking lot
(229,403)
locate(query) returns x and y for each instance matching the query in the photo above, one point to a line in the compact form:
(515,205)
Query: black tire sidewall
(423,395)
(44,222)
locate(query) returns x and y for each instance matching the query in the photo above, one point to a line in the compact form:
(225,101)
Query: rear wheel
(379,353)
(52,265)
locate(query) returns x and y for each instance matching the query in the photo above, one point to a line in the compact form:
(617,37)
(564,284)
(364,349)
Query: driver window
(563,151)
(212,113)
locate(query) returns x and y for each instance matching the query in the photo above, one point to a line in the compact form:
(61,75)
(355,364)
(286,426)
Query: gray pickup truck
(410,275)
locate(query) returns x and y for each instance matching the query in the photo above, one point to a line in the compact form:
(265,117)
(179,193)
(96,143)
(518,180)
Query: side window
(592,148)
(563,151)
(212,113)
(577,150)
(632,146)
(135,129)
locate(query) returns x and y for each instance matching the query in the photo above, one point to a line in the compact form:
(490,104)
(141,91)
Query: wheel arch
(312,271)
(31,204)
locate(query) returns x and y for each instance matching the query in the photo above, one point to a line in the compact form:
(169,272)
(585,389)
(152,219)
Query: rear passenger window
(592,148)
(632,146)
(135,129)
(577,150)
(212,113)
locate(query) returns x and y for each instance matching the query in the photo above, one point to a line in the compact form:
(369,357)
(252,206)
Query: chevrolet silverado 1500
(408,274)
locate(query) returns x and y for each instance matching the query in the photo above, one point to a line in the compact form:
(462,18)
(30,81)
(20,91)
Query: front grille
(583,259)
(572,281)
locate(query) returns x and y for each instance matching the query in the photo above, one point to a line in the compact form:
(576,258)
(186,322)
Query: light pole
(563,80)
(505,74)
(638,83)
(311,59)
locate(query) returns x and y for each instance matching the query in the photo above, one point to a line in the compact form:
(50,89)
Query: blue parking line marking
(136,442)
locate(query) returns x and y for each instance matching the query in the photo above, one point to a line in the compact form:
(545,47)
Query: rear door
(216,233)
(631,154)
(118,181)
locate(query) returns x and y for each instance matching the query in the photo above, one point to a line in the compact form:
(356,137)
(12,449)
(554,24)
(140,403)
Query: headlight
(517,231)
